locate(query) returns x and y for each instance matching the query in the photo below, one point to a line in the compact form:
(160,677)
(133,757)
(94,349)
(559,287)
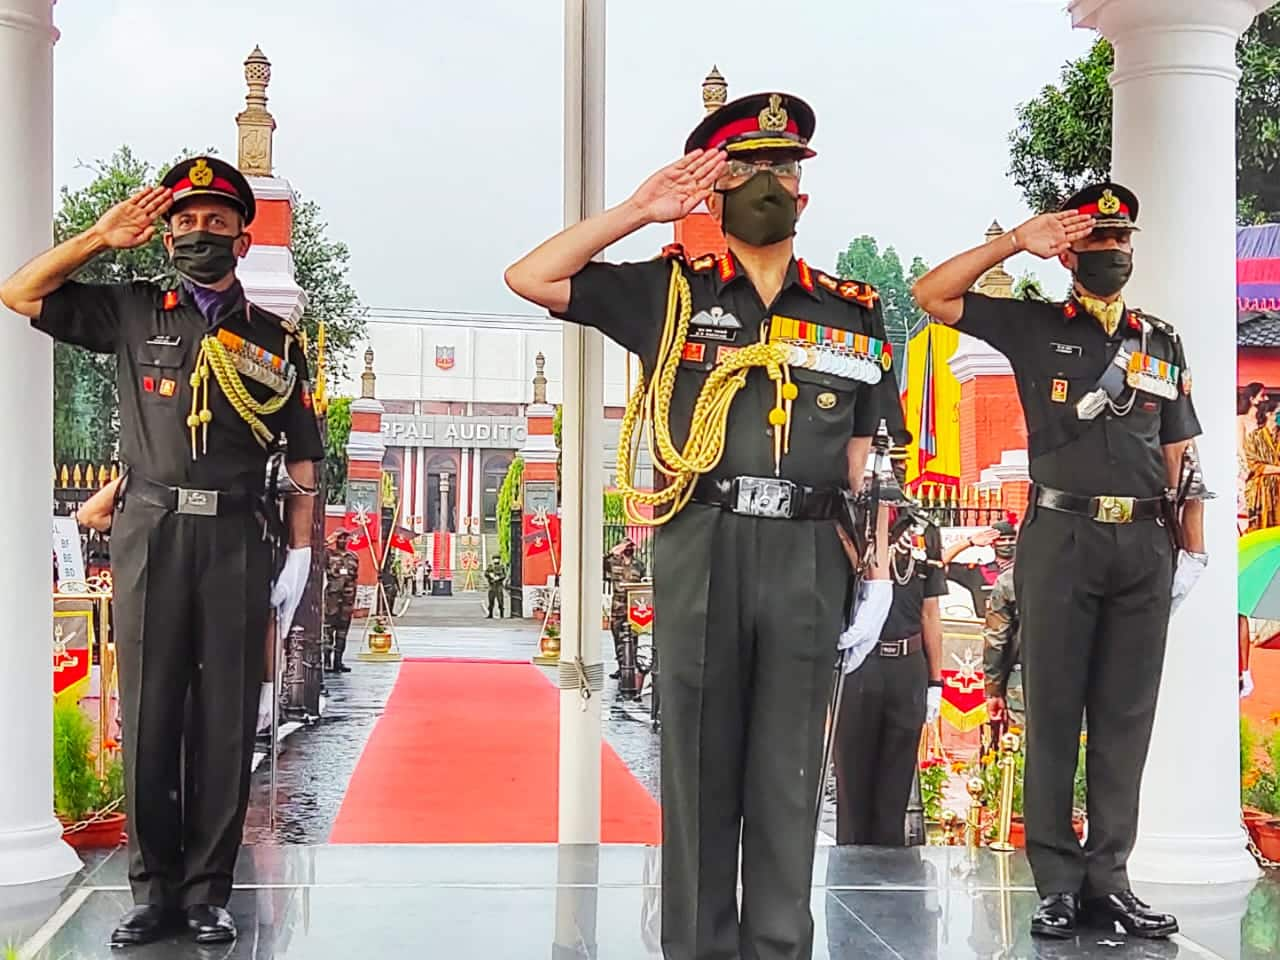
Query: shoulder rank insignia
(861,293)
(171,299)
(1164,326)
(702,264)
(830,283)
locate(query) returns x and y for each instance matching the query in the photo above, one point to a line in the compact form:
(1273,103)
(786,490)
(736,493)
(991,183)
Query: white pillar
(31,846)
(420,497)
(464,491)
(583,443)
(1174,146)
(477,490)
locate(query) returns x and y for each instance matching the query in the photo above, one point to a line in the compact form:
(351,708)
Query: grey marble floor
(322,902)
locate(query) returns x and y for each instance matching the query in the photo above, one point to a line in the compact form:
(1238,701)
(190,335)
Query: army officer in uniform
(891,694)
(1107,397)
(750,578)
(208,385)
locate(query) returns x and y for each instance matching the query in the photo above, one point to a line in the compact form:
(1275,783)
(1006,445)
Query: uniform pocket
(161,369)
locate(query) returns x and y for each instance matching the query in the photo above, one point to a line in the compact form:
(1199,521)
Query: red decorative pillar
(699,233)
(539,493)
(365,450)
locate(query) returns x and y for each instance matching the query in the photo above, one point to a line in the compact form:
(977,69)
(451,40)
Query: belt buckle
(763,497)
(1114,510)
(200,503)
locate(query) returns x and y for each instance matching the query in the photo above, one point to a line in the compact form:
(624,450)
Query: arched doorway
(442,474)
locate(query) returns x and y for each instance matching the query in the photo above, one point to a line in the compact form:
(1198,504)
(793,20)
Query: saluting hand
(1053,233)
(674,191)
(132,222)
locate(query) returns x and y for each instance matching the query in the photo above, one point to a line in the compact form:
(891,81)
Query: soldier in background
(621,566)
(496,575)
(1002,643)
(342,568)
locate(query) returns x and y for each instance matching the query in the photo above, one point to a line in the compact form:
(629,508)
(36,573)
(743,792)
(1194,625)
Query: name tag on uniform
(1067,348)
(163,340)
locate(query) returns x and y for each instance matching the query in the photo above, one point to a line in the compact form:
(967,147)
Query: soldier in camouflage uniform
(1001,640)
(342,568)
(496,575)
(621,566)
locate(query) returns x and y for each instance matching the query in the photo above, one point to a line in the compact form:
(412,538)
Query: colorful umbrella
(1259,574)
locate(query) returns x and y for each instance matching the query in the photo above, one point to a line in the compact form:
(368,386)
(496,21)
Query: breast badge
(826,401)
(1059,392)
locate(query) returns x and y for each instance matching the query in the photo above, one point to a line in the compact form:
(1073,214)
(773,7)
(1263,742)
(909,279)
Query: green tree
(86,405)
(1063,137)
(338,422)
(1028,287)
(864,261)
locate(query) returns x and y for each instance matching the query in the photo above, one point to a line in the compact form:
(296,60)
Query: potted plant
(1263,794)
(87,804)
(379,635)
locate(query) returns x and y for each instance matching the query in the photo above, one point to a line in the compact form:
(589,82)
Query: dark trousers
(337,629)
(495,596)
(747,612)
(877,742)
(191,598)
(1094,603)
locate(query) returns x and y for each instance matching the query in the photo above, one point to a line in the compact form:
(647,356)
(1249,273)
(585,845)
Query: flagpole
(581,669)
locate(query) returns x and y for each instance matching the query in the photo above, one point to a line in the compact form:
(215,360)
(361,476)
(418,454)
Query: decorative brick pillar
(538,486)
(267,273)
(699,233)
(365,450)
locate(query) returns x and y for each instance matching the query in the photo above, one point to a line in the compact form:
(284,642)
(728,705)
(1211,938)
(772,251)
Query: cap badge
(773,118)
(201,174)
(1108,203)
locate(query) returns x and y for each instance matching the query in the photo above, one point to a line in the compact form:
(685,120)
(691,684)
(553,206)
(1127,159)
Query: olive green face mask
(759,211)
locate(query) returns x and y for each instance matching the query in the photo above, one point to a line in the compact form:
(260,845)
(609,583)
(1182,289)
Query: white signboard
(438,430)
(976,555)
(66,549)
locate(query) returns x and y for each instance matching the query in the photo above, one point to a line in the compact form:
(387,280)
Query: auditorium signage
(432,430)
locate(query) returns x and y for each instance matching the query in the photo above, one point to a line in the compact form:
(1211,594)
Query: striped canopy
(1258,268)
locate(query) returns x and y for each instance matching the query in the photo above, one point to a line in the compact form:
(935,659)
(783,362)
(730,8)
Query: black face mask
(1103,272)
(1005,553)
(759,211)
(204,258)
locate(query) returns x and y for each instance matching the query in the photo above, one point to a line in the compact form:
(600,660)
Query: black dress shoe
(342,668)
(1056,916)
(210,924)
(1137,919)
(143,924)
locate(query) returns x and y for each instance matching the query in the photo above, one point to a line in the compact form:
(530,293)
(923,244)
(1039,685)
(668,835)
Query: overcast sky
(431,133)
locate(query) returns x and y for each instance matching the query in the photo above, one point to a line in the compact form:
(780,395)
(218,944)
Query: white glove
(933,704)
(287,592)
(1185,575)
(871,609)
(264,707)
(1246,684)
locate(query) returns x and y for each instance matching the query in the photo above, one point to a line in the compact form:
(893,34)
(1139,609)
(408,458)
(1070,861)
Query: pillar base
(36,855)
(1217,859)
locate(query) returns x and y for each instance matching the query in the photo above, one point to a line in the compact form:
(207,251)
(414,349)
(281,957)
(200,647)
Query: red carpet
(466,752)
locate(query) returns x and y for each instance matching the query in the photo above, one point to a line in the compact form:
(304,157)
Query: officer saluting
(209,384)
(1107,397)
(750,577)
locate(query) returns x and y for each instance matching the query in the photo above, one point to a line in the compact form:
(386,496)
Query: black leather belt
(191,502)
(901,648)
(769,497)
(1102,509)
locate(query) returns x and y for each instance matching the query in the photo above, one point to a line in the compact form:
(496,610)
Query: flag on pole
(402,540)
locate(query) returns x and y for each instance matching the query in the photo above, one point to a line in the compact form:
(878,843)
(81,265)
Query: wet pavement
(317,762)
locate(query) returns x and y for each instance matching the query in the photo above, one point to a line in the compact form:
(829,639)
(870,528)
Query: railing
(952,507)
